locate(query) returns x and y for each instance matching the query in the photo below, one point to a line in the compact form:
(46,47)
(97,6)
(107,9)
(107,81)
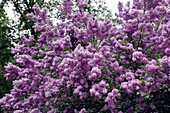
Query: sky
(112,5)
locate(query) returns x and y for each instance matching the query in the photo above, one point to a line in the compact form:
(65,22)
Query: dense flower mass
(84,65)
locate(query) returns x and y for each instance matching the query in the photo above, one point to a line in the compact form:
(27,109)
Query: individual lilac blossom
(83,110)
(111,99)
(139,57)
(98,90)
(13,72)
(95,74)
(165,61)
(152,67)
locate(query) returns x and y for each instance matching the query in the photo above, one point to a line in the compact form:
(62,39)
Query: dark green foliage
(5,40)
(5,52)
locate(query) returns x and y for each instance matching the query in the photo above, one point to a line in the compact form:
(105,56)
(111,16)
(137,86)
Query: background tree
(5,53)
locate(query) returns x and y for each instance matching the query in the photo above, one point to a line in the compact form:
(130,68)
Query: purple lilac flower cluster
(84,65)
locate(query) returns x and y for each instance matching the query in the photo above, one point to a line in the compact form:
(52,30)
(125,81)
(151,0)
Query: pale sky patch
(112,5)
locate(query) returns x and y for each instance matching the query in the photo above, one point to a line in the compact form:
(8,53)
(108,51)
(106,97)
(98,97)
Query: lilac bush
(84,65)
